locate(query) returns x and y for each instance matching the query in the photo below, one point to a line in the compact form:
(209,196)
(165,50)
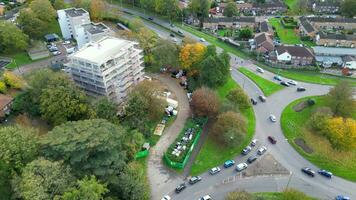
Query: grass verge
(267,87)
(342,164)
(213,154)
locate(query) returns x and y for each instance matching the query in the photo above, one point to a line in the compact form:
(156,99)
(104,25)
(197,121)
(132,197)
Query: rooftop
(102,50)
(264,27)
(75,12)
(231,19)
(295,51)
(319,50)
(334,36)
(332,19)
(307,26)
(95,28)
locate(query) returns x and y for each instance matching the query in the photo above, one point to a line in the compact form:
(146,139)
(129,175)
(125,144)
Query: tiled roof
(295,51)
(231,19)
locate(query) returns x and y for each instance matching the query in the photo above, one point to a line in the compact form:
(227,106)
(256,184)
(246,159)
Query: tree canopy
(340,99)
(165,54)
(205,103)
(215,70)
(87,188)
(348,8)
(12,39)
(239,98)
(230,9)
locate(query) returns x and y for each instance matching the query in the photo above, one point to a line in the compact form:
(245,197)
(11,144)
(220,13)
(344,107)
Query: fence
(141,154)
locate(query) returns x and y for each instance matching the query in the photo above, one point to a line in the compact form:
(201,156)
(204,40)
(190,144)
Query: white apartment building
(75,23)
(108,67)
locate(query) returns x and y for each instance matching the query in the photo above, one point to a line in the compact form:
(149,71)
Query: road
(283,152)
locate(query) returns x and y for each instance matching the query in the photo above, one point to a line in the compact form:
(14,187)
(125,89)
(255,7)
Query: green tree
(230,9)
(201,9)
(148,39)
(340,99)
(5,178)
(148,4)
(319,118)
(229,128)
(13,80)
(42,180)
(43,10)
(239,98)
(2,87)
(130,188)
(205,103)
(215,70)
(245,34)
(133,143)
(348,8)
(12,39)
(18,146)
(136,24)
(97,9)
(292,194)
(88,146)
(239,195)
(87,188)
(168,8)
(31,25)
(106,109)
(166,53)
(59,4)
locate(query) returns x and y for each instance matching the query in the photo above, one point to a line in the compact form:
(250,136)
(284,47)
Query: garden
(285,34)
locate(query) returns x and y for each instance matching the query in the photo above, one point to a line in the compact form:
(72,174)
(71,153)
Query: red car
(272,139)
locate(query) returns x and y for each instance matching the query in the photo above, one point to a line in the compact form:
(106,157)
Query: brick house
(324,7)
(293,55)
(332,23)
(229,22)
(263,43)
(337,40)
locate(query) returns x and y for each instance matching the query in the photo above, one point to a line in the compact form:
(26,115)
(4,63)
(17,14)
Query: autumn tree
(12,39)
(13,80)
(340,99)
(97,9)
(191,55)
(205,103)
(239,98)
(231,9)
(148,40)
(341,133)
(229,128)
(136,24)
(2,87)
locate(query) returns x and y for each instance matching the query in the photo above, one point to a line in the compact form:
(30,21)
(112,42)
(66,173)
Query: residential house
(107,67)
(5,105)
(324,6)
(269,8)
(294,55)
(263,43)
(244,7)
(265,27)
(214,23)
(337,40)
(339,23)
(306,29)
(328,56)
(350,62)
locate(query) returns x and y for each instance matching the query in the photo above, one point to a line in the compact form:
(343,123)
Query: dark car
(301,89)
(285,83)
(172,35)
(325,173)
(253,101)
(180,188)
(150,18)
(194,180)
(308,171)
(262,98)
(229,163)
(272,139)
(180,32)
(342,197)
(251,159)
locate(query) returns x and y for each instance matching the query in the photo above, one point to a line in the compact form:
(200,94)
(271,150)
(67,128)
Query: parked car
(262,150)
(172,25)
(56,53)
(325,173)
(172,35)
(262,98)
(66,42)
(180,188)
(253,143)
(215,170)
(229,163)
(166,197)
(272,118)
(246,150)
(291,82)
(308,171)
(253,101)
(342,197)
(272,139)
(174,40)
(202,40)
(301,89)
(278,78)
(206,197)
(241,167)
(259,69)
(53,48)
(180,32)
(150,18)
(251,159)
(194,180)
(284,83)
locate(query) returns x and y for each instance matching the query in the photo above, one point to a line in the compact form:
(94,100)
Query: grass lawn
(267,87)
(18,59)
(341,164)
(212,153)
(287,36)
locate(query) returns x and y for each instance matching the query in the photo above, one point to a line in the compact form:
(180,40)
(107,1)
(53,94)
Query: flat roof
(95,28)
(334,51)
(75,12)
(102,50)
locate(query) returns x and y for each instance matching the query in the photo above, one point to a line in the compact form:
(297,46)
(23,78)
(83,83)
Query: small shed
(51,37)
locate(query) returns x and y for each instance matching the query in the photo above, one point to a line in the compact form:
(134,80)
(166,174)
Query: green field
(212,153)
(287,36)
(293,124)
(18,59)
(268,87)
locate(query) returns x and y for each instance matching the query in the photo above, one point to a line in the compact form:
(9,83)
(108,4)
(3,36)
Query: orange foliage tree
(191,54)
(97,9)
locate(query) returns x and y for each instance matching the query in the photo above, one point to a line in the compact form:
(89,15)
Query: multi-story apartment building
(108,67)
(75,23)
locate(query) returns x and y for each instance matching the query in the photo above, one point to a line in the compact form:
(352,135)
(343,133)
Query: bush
(319,118)
(2,87)
(311,102)
(13,81)
(239,98)
(341,133)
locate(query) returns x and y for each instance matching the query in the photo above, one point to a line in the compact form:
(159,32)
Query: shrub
(2,87)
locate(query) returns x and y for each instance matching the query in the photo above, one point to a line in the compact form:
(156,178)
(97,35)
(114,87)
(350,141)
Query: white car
(166,197)
(291,82)
(215,170)
(206,197)
(241,167)
(262,150)
(66,42)
(272,118)
(56,53)
(259,69)
(254,142)
(174,40)
(202,40)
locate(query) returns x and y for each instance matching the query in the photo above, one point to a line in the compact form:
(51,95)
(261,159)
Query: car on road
(325,173)
(284,83)
(174,40)
(251,159)
(214,170)
(172,25)
(272,140)
(262,150)
(166,197)
(241,167)
(253,101)
(342,197)
(229,163)
(262,98)
(194,179)
(301,89)
(259,69)
(180,188)
(150,18)
(172,35)
(308,171)
(253,143)
(272,118)
(180,32)
(206,197)
(246,150)
(56,53)
(202,40)
(278,78)
(291,82)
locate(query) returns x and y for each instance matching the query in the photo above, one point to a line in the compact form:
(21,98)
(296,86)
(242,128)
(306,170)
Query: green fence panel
(141,154)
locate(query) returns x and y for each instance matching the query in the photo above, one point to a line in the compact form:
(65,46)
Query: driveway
(163,179)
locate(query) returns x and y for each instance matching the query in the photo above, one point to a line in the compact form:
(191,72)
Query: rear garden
(286,35)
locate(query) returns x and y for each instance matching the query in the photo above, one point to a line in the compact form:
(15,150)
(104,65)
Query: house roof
(349,58)
(295,51)
(264,27)
(273,4)
(51,36)
(231,19)
(333,36)
(319,50)
(332,19)
(307,26)
(4,101)
(265,41)
(327,3)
